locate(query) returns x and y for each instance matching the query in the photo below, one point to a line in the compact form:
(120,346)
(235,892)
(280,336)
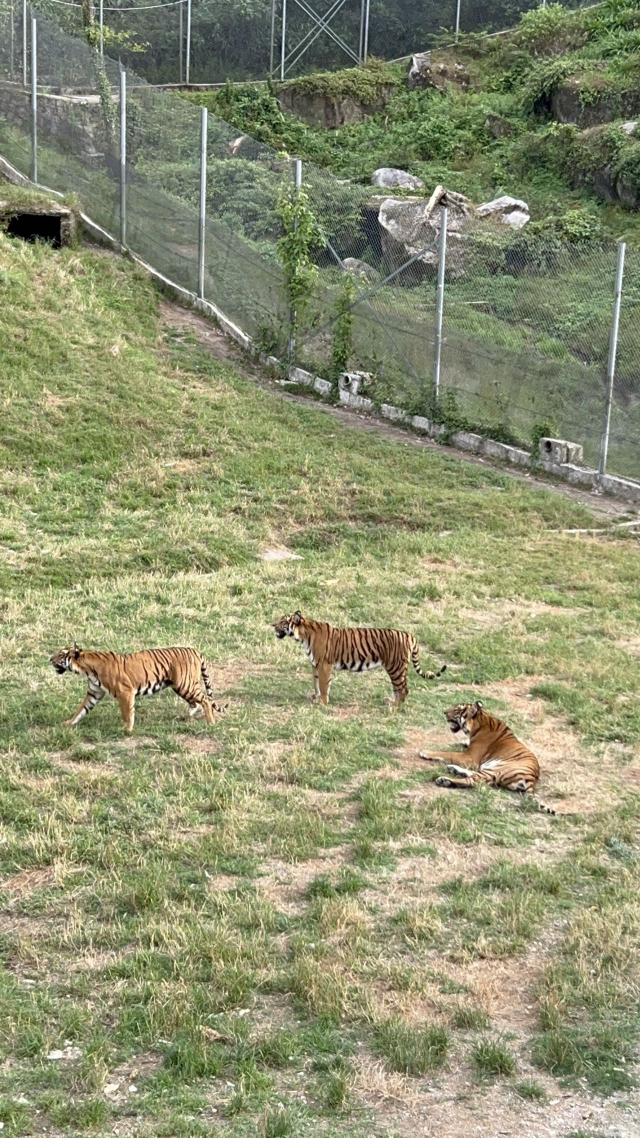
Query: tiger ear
(297,617)
(76,650)
(478,705)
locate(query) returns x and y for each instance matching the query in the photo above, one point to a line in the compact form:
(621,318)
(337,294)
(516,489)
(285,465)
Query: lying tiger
(332,649)
(493,756)
(139,673)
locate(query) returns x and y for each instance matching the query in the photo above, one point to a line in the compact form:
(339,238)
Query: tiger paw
(426,756)
(443,781)
(67,723)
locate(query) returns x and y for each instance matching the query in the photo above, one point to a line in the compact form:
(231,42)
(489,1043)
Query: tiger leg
(316,685)
(324,681)
(458,783)
(126,701)
(398,679)
(93,697)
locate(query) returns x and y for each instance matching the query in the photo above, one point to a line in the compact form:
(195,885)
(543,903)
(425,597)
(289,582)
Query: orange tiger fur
(494,755)
(139,673)
(332,649)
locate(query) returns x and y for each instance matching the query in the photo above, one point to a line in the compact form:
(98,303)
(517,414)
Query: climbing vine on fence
(302,235)
(342,344)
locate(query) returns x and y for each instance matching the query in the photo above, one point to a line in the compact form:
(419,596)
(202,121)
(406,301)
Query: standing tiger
(139,673)
(332,649)
(493,755)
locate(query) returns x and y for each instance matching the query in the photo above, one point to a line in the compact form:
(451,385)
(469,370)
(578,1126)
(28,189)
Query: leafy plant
(342,340)
(302,235)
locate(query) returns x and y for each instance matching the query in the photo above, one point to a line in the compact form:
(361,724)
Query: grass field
(279,926)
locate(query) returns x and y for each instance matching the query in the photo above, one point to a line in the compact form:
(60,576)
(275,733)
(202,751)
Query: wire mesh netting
(526,319)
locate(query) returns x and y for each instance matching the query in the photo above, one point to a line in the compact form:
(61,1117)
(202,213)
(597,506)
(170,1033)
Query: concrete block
(464,440)
(299,375)
(388,411)
(358,402)
(322,386)
(434,430)
(621,487)
(560,452)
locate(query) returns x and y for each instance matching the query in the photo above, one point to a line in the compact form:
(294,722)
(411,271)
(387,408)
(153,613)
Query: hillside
(536,114)
(279,925)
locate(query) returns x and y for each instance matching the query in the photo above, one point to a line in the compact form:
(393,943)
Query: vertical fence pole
(613,348)
(458,18)
(12,38)
(365,35)
(292,312)
(203,199)
(283,40)
(123,158)
(180,40)
(361,40)
(34,101)
(187,69)
(442,260)
(24,43)
(272,46)
(101,22)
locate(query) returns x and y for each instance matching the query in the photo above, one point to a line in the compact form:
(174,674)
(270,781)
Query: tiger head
(287,625)
(65,659)
(464,717)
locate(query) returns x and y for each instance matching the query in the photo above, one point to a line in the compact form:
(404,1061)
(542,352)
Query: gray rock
(360,269)
(630,127)
(412,228)
(507,210)
(497,126)
(423,72)
(392,179)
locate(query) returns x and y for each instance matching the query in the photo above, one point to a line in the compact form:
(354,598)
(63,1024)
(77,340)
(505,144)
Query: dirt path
(222,348)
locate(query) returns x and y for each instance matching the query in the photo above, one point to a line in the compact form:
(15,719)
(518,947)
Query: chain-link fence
(170,41)
(508,335)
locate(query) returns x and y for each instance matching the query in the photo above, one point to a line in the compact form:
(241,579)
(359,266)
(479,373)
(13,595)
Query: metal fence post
(34,101)
(24,43)
(442,259)
(12,38)
(203,199)
(180,40)
(458,18)
(101,22)
(283,40)
(273,38)
(292,311)
(613,348)
(123,158)
(187,69)
(365,34)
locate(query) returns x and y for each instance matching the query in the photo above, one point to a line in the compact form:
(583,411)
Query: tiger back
(127,676)
(330,649)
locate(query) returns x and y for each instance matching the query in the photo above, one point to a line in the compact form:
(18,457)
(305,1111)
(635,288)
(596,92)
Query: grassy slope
(141,886)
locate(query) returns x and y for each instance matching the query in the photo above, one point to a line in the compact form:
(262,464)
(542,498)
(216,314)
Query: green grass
(242,914)
(492,1058)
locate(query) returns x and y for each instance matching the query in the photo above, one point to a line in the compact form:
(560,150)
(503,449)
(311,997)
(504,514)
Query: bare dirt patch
(203,331)
(284,884)
(28,880)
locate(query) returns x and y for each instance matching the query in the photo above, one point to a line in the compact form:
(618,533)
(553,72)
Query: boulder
(412,228)
(630,127)
(424,71)
(329,110)
(390,178)
(497,126)
(360,269)
(507,210)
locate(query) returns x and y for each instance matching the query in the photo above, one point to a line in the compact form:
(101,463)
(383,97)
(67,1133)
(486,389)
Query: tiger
(332,649)
(139,673)
(494,755)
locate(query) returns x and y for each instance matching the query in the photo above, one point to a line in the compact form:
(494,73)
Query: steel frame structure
(290,56)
